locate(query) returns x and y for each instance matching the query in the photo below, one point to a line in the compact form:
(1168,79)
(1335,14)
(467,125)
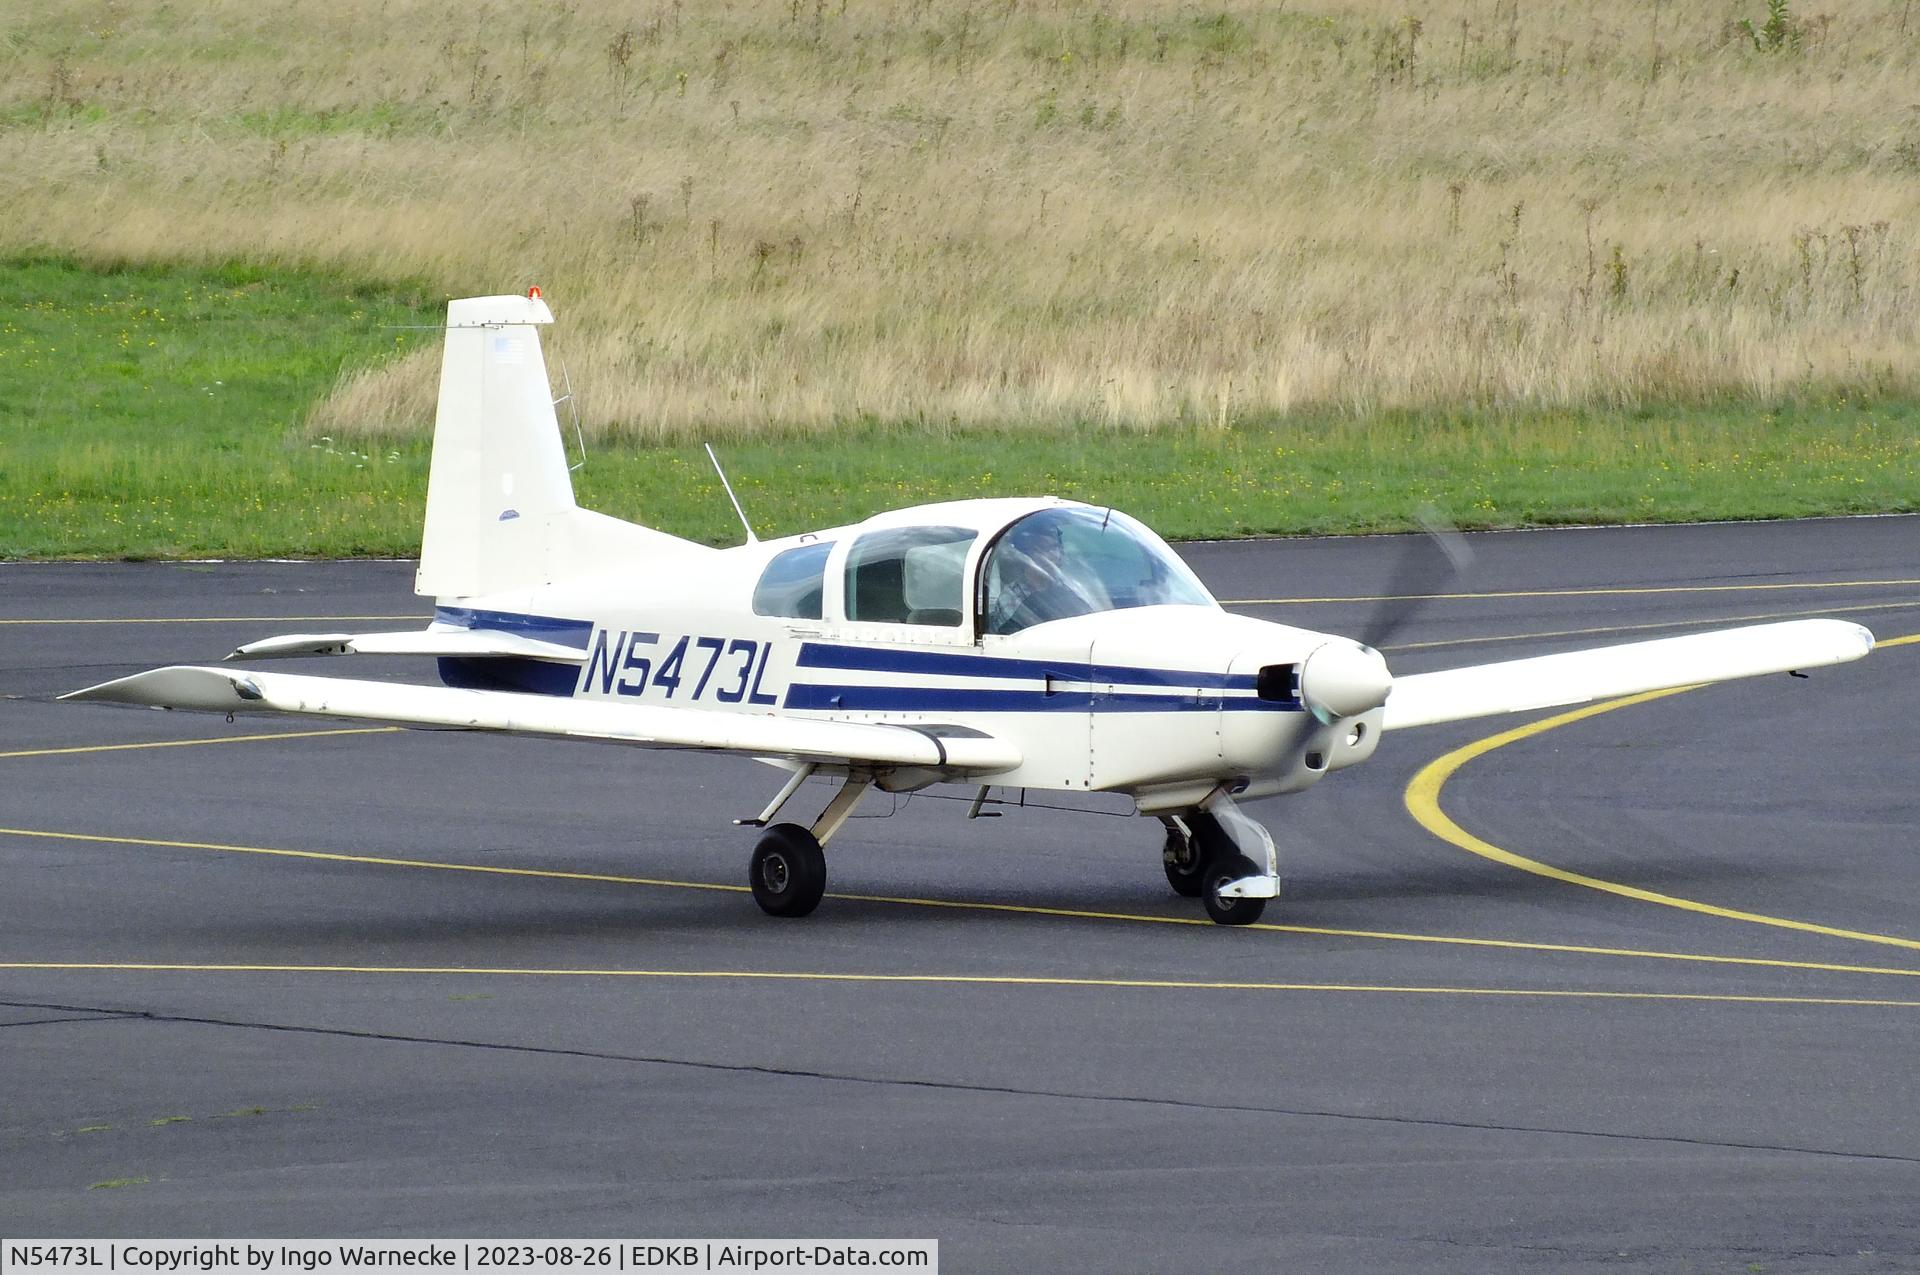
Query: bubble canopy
(1059,563)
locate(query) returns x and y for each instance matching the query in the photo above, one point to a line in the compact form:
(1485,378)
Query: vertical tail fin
(500,508)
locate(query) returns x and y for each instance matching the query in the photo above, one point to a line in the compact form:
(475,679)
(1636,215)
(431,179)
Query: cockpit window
(791,584)
(1060,563)
(909,575)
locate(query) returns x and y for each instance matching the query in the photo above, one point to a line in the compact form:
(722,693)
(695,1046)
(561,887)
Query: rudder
(500,508)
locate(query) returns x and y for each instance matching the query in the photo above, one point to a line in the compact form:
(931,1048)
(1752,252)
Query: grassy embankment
(164,412)
(1237,266)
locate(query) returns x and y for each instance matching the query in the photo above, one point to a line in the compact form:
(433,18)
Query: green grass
(157,413)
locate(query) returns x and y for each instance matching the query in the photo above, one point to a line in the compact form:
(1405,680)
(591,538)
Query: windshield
(1060,563)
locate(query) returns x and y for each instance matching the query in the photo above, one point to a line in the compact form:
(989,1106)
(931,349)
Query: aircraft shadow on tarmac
(528,914)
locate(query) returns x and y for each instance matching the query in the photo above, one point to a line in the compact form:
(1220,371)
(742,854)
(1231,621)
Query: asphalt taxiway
(1630,989)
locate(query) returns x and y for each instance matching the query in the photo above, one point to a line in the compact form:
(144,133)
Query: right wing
(1575,677)
(951,749)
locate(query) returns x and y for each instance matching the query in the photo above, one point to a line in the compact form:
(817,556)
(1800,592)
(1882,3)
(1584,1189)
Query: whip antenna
(751,538)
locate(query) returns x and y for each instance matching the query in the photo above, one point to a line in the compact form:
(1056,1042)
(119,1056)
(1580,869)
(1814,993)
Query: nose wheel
(1225,909)
(1206,857)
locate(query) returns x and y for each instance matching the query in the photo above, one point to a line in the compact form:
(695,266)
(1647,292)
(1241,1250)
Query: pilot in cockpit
(1033,581)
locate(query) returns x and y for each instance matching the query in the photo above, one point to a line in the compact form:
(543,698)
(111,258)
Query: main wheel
(1223,870)
(1183,857)
(789,871)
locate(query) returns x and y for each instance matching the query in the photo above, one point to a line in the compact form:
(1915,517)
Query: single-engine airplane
(1019,643)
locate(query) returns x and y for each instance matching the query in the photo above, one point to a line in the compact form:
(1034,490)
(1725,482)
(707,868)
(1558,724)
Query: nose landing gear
(1223,858)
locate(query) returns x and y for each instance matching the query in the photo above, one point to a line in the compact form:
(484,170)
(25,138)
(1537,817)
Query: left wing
(955,749)
(1575,677)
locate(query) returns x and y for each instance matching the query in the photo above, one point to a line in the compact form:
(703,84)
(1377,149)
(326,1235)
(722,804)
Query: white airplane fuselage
(1160,702)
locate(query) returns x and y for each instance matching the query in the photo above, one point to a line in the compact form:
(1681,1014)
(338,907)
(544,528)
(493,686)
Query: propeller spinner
(1343,678)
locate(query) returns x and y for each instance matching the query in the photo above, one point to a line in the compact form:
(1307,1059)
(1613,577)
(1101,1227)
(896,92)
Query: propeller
(1431,562)
(1344,677)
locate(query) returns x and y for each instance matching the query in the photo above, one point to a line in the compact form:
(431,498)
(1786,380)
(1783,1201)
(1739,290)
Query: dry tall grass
(792,213)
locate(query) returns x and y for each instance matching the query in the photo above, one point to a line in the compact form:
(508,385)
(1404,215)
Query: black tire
(1209,836)
(1206,840)
(1223,870)
(788,872)
(1184,858)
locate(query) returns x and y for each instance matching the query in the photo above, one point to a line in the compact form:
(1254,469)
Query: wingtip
(176,686)
(98,691)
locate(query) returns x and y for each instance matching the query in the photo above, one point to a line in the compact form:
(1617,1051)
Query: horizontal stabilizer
(451,642)
(643,725)
(1548,681)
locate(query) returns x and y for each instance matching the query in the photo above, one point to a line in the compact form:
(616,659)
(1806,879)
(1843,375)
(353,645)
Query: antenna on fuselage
(751,538)
(573,407)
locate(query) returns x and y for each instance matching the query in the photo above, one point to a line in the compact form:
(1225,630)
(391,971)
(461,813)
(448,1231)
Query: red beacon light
(533,293)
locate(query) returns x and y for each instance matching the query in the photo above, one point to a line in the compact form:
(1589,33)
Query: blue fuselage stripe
(1065,686)
(959,699)
(870,659)
(546,628)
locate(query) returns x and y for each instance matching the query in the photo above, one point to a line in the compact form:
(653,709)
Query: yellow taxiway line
(1421,794)
(1423,803)
(954,980)
(1016,909)
(195,743)
(217,619)
(1642,591)
(1596,630)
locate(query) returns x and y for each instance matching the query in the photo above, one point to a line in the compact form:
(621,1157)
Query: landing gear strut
(788,872)
(1224,858)
(1183,857)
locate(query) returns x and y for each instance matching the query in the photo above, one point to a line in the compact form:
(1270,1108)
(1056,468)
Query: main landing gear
(1213,853)
(1223,858)
(788,872)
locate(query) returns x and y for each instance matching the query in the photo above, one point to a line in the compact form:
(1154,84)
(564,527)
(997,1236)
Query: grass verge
(159,413)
